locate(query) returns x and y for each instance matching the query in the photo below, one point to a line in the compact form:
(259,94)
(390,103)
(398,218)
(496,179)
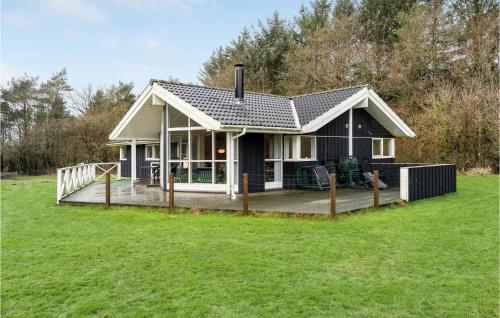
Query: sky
(102,42)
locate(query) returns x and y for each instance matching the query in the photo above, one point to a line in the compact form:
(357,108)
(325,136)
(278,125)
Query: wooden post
(108,189)
(333,195)
(245,193)
(171,191)
(375,188)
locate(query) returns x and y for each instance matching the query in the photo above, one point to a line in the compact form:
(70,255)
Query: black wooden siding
(141,162)
(429,181)
(365,127)
(251,161)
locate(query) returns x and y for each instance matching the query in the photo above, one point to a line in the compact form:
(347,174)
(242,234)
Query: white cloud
(76,9)
(179,5)
(16,19)
(147,41)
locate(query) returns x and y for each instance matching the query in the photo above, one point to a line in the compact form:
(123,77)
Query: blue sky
(101,42)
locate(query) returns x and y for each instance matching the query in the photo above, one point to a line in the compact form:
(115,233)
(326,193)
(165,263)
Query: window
(152,152)
(289,148)
(300,148)
(307,147)
(272,158)
(123,153)
(383,148)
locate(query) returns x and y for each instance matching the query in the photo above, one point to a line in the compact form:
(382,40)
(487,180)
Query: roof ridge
(330,90)
(151,81)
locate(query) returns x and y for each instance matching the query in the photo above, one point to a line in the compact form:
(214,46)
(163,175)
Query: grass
(431,258)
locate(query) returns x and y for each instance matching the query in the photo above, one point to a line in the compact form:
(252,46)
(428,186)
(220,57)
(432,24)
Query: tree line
(45,125)
(434,61)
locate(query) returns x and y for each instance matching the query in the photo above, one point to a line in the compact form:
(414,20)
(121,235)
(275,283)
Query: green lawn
(435,257)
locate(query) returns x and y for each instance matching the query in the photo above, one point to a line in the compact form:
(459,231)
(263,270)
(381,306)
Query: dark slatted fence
(423,182)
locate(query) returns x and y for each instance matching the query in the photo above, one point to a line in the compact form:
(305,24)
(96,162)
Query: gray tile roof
(258,109)
(311,106)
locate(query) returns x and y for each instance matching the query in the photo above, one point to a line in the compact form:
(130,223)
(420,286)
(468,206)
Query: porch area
(285,201)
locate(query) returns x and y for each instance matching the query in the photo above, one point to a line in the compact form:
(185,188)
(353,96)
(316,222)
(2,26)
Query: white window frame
(278,157)
(296,156)
(392,148)
(152,152)
(123,153)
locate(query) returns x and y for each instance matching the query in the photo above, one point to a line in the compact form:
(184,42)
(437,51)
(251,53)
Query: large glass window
(179,145)
(195,154)
(383,148)
(220,146)
(201,145)
(177,119)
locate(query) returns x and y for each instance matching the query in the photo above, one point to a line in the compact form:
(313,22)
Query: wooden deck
(288,201)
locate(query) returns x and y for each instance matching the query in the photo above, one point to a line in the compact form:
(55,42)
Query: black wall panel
(140,163)
(251,161)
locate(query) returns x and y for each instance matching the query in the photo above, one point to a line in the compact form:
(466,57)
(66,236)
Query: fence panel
(421,182)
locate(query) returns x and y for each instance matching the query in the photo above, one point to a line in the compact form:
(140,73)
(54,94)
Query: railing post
(119,171)
(375,188)
(108,189)
(245,193)
(59,185)
(171,191)
(333,195)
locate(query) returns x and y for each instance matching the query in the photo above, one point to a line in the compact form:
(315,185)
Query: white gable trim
(336,111)
(360,100)
(159,92)
(186,108)
(391,114)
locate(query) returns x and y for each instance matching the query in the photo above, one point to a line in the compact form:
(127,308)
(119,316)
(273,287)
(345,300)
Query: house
(208,137)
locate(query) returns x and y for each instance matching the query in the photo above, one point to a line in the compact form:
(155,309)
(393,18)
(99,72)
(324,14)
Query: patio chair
(313,177)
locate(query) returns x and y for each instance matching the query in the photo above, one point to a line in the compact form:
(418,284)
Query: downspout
(232,195)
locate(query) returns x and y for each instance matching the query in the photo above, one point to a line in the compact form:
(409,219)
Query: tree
(21,97)
(343,9)
(312,19)
(379,18)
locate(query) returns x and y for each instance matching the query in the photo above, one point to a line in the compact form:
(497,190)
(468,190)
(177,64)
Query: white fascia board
(184,107)
(336,111)
(295,116)
(146,93)
(261,129)
(391,114)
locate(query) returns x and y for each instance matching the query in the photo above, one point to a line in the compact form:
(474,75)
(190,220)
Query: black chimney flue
(238,83)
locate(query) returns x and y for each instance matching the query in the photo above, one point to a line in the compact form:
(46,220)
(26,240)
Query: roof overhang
(143,119)
(373,104)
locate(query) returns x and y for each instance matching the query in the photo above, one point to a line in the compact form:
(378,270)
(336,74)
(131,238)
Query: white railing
(73,178)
